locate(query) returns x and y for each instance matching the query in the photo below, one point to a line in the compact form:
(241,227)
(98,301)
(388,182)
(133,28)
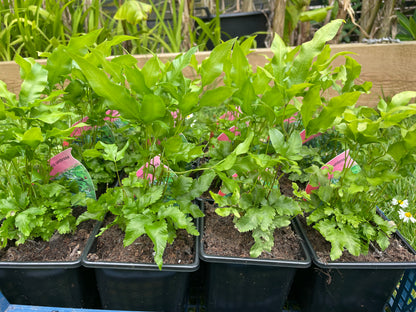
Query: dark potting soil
(396,252)
(65,247)
(223,239)
(110,248)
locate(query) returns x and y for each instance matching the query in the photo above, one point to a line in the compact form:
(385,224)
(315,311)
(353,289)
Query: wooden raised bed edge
(390,67)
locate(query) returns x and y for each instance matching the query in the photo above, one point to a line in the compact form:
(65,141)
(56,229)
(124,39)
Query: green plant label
(65,165)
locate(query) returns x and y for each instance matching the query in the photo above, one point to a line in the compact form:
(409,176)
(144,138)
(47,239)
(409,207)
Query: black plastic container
(245,24)
(248,284)
(136,286)
(56,284)
(345,287)
(241,24)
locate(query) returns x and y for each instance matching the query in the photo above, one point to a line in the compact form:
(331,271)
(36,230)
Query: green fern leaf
(264,241)
(135,227)
(158,233)
(151,196)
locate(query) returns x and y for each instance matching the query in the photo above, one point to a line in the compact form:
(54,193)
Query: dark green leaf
(118,96)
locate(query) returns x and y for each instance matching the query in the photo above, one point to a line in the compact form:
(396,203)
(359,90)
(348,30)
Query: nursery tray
(404,297)
(5,306)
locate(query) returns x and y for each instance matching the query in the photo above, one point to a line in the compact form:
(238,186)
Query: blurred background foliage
(31,27)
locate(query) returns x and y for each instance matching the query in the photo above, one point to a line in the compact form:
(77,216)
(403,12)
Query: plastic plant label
(303,132)
(155,163)
(230,116)
(111,116)
(65,165)
(307,139)
(339,163)
(224,137)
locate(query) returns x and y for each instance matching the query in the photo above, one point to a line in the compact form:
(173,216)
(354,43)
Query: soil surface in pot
(396,252)
(67,247)
(223,239)
(110,248)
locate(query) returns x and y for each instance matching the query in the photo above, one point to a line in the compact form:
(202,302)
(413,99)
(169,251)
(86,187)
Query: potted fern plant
(151,213)
(351,243)
(43,189)
(257,147)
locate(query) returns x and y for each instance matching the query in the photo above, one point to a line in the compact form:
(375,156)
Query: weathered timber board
(390,67)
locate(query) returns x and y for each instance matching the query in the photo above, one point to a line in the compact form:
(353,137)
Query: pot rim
(136,265)
(256,261)
(357,265)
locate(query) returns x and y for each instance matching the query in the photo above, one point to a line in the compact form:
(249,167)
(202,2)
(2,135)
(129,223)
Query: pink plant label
(307,139)
(224,137)
(154,162)
(65,165)
(111,115)
(339,163)
(62,162)
(303,132)
(231,116)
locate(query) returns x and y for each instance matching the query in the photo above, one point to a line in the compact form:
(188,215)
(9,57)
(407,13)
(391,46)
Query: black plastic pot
(345,287)
(242,24)
(57,284)
(136,286)
(248,284)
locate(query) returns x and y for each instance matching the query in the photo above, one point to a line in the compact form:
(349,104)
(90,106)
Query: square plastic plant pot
(142,286)
(248,284)
(342,287)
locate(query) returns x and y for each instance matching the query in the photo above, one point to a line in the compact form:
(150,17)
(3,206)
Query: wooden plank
(391,67)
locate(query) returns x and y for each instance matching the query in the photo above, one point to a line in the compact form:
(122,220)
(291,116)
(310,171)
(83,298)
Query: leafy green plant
(344,209)
(157,101)
(155,210)
(33,203)
(207,31)
(100,123)
(31,27)
(407,26)
(264,146)
(166,32)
